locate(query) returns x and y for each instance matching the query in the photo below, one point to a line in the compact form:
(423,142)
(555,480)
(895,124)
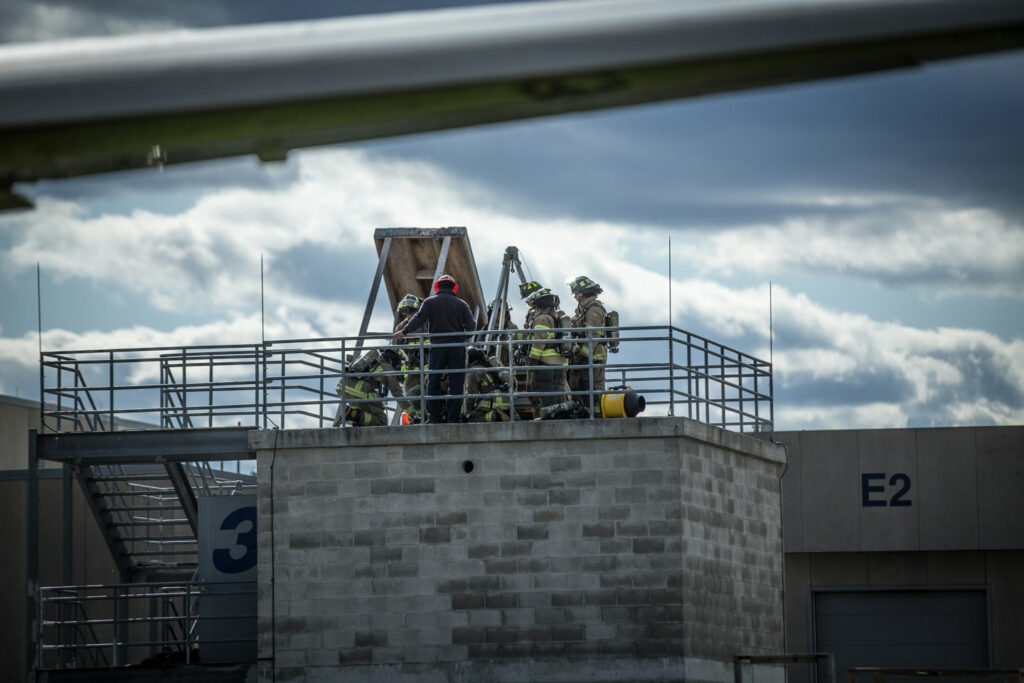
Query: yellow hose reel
(625,404)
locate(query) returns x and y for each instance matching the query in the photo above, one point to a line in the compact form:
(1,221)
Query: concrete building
(905,547)
(642,549)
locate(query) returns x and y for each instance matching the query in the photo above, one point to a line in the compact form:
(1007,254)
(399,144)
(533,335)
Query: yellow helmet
(410,303)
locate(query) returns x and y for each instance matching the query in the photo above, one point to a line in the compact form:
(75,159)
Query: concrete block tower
(637,549)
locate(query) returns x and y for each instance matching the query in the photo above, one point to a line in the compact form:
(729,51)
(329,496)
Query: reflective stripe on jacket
(547,354)
(590,313)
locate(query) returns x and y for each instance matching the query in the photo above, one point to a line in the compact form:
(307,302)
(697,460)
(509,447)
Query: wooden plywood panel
(412,263)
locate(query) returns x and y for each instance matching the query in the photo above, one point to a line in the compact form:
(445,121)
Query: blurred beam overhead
(97,105)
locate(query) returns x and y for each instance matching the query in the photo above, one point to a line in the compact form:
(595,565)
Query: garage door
(933,629)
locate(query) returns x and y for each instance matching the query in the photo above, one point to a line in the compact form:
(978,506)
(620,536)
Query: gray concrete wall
(904,490)
(646,549)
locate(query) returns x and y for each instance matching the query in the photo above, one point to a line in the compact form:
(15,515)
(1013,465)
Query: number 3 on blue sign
(222,559)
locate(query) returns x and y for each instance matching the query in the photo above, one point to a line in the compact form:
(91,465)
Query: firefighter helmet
(542,298)
(490,306)
(475,354)
(449,282)
(393,357)
(410,303)
(528,288)
(583,284)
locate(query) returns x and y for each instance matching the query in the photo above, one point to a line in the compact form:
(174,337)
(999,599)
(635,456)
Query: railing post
(209,394)
(42,393)
(590,372)
(707,385)
(154,625)
(186,611)
(511,380)
(163,394)
(115,627)
(110,419)
(722,412)
(283,366)
(259,352)
(186,420)
(342,408)
(689,376)
(60,393)
(323,369)
(423,381)
(671,375)
(740,366)
(757,396)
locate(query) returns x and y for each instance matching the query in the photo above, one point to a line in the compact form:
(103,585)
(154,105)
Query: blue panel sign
(227,570)
(227,538)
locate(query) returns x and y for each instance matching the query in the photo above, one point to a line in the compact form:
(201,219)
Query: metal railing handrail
(177,605)
(266,382)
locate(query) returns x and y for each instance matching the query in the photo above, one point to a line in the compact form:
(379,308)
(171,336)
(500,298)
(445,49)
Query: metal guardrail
(291,383)
(112,625)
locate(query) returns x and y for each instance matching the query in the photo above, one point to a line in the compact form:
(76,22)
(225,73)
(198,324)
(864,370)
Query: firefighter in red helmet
(449,321)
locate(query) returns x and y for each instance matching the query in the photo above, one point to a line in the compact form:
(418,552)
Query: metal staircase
(148,513)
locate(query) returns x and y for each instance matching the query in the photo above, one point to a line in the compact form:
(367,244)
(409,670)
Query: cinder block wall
(643,549)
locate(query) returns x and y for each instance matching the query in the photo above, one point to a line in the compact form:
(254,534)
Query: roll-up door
(902,628)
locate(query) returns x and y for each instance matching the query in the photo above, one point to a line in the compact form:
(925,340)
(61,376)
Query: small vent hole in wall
(467,466)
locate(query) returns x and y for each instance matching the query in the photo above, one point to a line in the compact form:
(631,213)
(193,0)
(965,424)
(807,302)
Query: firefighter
(407,308)
(483,378)
(502,340)
(526,289)
(586,349)
(547,363)
(364,379)
(443,312)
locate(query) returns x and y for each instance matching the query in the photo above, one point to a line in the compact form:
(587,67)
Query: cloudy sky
(887,211)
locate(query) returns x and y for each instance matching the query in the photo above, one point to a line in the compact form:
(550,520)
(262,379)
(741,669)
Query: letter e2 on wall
(874,492)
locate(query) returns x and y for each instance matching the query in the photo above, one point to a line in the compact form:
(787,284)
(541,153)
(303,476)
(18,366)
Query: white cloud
(868,416)
(207,257)
(895,240)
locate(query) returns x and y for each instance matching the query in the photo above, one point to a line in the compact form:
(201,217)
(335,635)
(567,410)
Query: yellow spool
(626,404)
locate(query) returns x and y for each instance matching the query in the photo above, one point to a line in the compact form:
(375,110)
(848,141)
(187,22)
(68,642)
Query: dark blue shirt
(443,312)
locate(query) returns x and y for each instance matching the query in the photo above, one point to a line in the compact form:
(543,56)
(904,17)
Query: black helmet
(392,357)
(542,298)
(528,288)
(583,284)
(476,355)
